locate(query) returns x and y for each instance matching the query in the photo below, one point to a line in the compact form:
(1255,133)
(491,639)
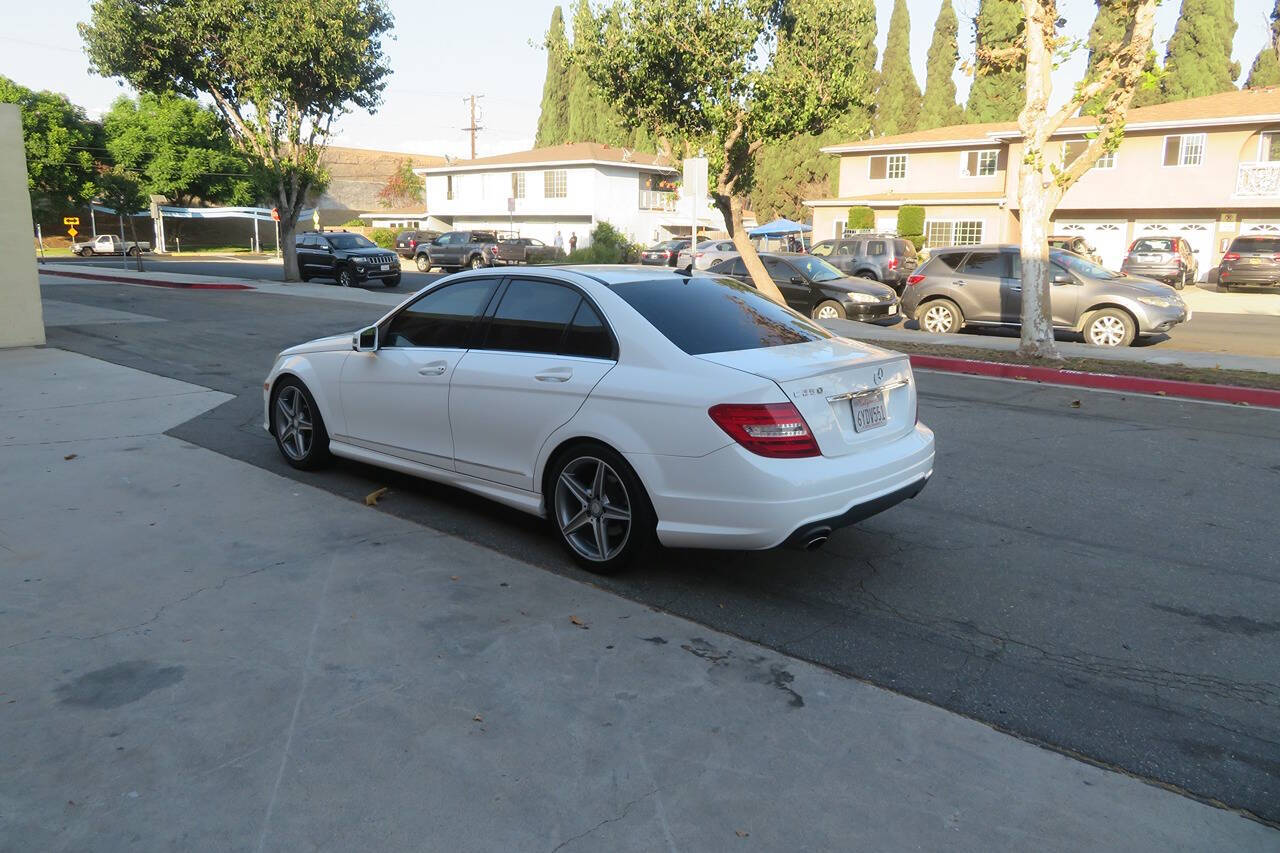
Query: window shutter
(878,168)
(1172,150)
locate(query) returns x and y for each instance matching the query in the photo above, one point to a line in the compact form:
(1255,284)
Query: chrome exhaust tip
(817,539)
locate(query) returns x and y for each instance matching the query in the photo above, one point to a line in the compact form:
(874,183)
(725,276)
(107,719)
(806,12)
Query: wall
(21,314)
(927,172)
(998,224)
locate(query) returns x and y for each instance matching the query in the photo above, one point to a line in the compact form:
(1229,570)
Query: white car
(707,253)
(619,402)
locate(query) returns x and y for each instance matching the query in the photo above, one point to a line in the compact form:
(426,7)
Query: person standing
(558,242)
(573,242)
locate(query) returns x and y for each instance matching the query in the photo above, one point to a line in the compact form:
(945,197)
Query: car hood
(853,284)
(366,253)
(333,343)
(1135,285)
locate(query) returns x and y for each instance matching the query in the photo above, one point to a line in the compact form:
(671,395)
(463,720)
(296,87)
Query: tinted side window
(946,261)
(875,247)
(904,249)
(587,335)
(736,267)
(778,270)
(532,317)
(851,247)
(993,264)
(441,318)
(705,314)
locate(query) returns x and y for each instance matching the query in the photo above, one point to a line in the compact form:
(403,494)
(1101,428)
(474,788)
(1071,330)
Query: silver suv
(982,286)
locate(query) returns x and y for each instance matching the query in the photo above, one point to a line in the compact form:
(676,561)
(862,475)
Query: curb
(179,285)
(1236,394)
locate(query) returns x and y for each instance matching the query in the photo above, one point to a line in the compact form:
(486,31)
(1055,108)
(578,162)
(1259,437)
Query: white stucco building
(565,188)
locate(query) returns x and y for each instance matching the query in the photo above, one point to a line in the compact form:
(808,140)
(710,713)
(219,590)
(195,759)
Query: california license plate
(1255,261)
(385,267)
(869,412)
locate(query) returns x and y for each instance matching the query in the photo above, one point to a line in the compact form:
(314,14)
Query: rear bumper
(1244,275)
(732,498)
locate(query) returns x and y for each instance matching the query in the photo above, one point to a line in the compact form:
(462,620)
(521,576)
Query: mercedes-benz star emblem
(879,377)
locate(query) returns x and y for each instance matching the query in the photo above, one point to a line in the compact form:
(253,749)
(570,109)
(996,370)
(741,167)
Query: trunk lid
(826,379)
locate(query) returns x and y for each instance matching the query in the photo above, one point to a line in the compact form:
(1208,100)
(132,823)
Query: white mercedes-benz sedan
(622,403)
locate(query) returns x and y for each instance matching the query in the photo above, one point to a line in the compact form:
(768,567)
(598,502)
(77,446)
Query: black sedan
(815,288)
(663,254)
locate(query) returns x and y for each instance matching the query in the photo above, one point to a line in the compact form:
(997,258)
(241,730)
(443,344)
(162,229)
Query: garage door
(1107,238)
(1270,227)
(1198,234)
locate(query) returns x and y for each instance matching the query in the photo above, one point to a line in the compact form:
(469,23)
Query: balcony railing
(1258,180)
(656,200)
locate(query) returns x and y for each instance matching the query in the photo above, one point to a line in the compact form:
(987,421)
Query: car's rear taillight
(1231,256)
(413,244)
(915,279)
(700,254)
(893,263)
(776,430)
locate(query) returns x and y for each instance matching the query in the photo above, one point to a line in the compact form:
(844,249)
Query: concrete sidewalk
(202,655)
(889,335)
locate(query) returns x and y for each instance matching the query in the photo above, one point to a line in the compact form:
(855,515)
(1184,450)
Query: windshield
(1150,244)
(821,250)
(670,244)
(816,269)
(703,314)
(350,241)
(1080,265)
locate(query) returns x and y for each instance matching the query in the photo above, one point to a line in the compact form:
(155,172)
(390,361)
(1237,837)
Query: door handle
(555,374)
(1015,289)
(435,368)
(958,281)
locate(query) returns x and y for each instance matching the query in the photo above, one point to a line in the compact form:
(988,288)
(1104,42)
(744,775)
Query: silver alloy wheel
(424,264)
(828,312)
(344,278)
(293,422)
(593,509)
(1107,331)
(938,318)
(477,262)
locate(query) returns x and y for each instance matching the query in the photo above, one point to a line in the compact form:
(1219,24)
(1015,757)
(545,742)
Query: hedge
(911,219)
(383,237)
(861,219)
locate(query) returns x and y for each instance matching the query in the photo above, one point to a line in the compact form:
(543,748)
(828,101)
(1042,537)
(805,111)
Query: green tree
(999,87)
(278,72)
(789,171)
(1266,66)
(939,107)
(553,120)
(178,149)
(898,97)
(592,117)
(122,191)
(59,142)
(1105,36)
(1198,61)
(403,187)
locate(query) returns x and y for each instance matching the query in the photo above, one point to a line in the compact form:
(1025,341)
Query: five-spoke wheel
(599,508)
(298,427)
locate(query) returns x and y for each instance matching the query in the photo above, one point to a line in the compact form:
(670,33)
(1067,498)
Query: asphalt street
(1100,578)
(1241,334)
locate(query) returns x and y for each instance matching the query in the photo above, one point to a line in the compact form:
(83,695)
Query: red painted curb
(180,285)
(1108,381)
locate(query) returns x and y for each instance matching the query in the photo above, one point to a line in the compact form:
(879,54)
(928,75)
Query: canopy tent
(778,228)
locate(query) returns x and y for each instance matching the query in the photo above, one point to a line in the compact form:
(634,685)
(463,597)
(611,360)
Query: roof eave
(539,164)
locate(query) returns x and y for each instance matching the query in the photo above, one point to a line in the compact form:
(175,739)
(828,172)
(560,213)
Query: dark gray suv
(880,257)
(982,286)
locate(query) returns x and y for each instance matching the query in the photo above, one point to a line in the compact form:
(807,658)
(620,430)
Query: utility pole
(473,127)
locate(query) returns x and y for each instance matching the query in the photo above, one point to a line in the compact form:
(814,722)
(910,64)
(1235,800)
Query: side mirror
(1061,277)
(365,340)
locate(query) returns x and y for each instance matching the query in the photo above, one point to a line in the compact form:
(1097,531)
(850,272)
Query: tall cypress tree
(898,96)
(553,121)
(939,107)
(998,87)
(591,117)
(1107,34)
(1266,66)
(1199,61)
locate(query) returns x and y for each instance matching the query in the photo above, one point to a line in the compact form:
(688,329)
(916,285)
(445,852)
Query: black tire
(1180,282)
(131,252)
(1110,327)
(86,252)
(868,274)
(346,277)
(423,262)
(828,306)
(477,262)
(306,453)
(622,492)
(394,281)
(935,313)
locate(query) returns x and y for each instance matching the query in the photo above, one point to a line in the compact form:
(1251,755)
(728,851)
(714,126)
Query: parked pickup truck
(108,244)
(525,250)
(454,250)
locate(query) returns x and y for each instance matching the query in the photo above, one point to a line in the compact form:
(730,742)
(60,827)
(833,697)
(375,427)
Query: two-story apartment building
(566,189)
(1206,168)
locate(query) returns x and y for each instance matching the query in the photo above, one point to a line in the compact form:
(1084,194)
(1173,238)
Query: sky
(495,52)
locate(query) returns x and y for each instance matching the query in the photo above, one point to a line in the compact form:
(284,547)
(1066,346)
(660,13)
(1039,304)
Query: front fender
(320,372)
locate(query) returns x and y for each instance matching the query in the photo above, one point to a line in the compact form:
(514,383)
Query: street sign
(275,214)
(72,231)
(695,189)
(71,220)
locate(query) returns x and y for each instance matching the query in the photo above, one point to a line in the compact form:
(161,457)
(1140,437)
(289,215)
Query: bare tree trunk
(759,276)
(1037,308)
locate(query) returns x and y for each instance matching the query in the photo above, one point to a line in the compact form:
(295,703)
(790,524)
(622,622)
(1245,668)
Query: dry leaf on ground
(371,499)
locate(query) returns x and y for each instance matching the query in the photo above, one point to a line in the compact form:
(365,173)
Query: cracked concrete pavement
(200,654)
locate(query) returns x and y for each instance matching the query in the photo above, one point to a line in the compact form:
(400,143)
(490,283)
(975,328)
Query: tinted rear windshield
(703,314)
(1150,244)
(1262,245)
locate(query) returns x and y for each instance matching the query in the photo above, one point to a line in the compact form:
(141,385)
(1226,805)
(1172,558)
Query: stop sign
(275,214)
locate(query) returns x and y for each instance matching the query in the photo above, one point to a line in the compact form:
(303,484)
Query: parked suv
(454,250)
(881,257)
(1251,262)
(407,242)
(345,257)
(1167,259)
(982,286)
